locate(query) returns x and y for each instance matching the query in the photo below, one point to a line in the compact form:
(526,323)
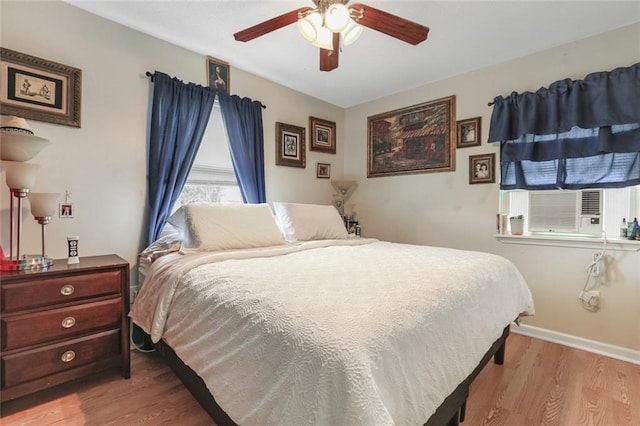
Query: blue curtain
(179,117)
(243,121)
(572,135)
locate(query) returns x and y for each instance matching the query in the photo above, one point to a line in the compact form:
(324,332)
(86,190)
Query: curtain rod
(150,75)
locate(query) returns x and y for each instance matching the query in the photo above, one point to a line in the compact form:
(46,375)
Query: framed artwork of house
(415,139)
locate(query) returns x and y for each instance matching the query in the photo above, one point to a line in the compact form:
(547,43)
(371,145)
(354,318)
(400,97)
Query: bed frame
(450,413)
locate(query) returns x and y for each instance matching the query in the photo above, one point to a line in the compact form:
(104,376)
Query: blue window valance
(572,135)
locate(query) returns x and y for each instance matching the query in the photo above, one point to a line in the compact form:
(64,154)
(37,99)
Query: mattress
(331,332)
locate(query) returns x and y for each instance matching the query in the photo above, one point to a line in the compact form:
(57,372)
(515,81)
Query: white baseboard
(612,351)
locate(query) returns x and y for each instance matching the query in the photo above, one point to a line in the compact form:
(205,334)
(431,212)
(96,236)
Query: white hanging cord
(591,303)
(135,345)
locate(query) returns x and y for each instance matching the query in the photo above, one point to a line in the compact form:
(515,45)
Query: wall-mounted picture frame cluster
(323,170)
(482,168)
(39,89)
(323,135)
(219,74)
(469,132)
(415,139)
(290,145)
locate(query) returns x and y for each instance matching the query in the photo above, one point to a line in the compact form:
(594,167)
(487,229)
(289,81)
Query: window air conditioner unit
(576,212)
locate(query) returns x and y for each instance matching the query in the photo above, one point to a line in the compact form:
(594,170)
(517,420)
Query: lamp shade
(43,204)
(20,175)
(351,32)
(309,25)
(337,17)
(20,147)
(324,39)
(17,141)
(344,186)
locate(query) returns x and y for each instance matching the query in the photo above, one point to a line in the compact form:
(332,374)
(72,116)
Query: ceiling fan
(331,20)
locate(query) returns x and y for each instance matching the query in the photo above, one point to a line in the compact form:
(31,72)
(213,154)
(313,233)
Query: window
(578,158)
(568,214)
(211,179)
(570,156)
(572,135)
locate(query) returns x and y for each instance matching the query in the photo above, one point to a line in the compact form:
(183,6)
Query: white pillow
(223,227)
(306,222)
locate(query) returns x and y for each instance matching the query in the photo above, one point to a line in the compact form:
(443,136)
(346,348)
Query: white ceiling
(463,36)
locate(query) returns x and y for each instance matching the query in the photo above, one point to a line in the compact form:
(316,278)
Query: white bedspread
(350,332)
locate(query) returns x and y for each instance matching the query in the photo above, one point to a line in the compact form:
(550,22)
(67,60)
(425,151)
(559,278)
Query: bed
(286,320)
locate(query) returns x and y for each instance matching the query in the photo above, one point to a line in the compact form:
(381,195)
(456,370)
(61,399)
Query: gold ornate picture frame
(323,170)
(469,132)
(290,145)
(482,168)
(218,74)
(415,139)
(323,135)
(39,89)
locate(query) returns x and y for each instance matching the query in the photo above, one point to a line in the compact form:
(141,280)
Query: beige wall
(103,164)
(443,209)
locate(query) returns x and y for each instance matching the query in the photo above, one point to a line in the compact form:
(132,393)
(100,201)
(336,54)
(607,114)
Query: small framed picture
(482,168)
(65,210)
(218,74)
(323,135)
(323,170)
(290,145)
(469,132)
(352,226)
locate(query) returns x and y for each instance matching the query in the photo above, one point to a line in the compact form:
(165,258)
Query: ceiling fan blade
(270,25)
(329,58)
(392,25)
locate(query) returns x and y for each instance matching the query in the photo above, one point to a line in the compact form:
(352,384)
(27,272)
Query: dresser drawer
(47,292)
(40,327)
(46,360)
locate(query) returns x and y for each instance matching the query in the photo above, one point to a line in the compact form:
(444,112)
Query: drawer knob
(68,356)
(68,322)
(67,290)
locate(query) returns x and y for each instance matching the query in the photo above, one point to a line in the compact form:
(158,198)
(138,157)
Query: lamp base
(26,262)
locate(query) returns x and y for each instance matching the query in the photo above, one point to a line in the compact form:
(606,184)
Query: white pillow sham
(306,222)
(223,227)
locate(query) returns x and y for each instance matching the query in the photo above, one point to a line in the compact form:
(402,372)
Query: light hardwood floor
(540,383)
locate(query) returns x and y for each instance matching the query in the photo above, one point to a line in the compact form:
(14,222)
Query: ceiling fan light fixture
(324,40)
(351,32)
(337,17)
(309,25)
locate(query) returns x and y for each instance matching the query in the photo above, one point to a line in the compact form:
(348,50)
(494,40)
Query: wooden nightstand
(63,323)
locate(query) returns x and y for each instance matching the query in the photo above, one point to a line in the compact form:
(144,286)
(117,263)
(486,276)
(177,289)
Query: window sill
(567,241)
